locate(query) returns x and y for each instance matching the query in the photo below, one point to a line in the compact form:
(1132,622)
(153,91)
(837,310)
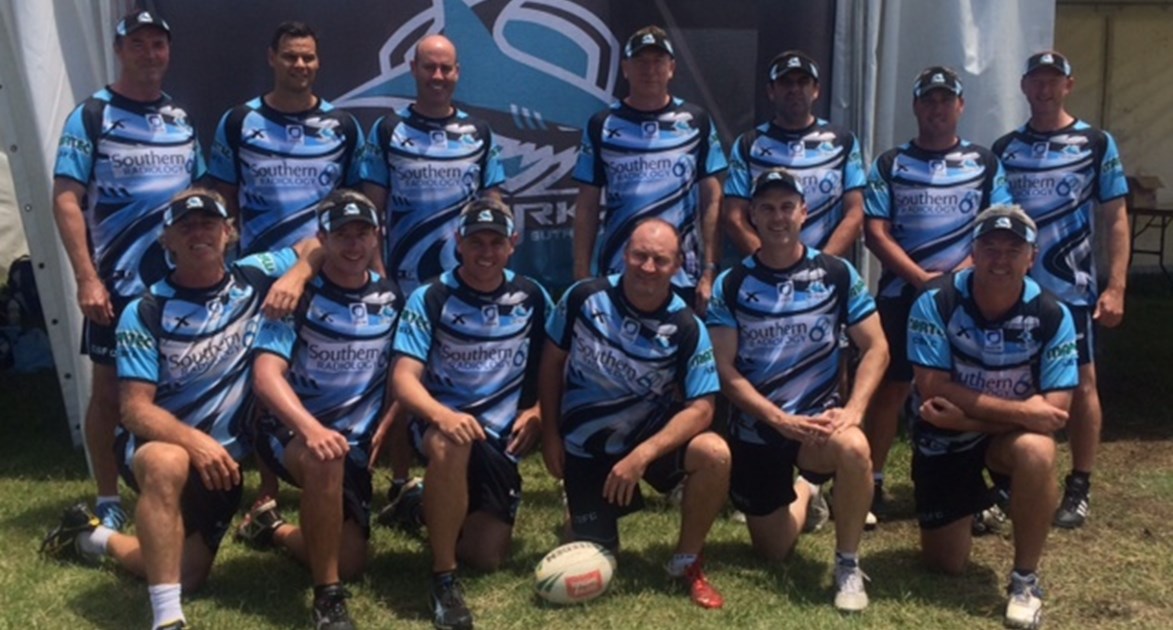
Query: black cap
(141,19)
(792,61)
(336,210)
(936,78)
(198,202)
(1011,218)
(486,214)
(1048,59)
(777,177)
(648,37)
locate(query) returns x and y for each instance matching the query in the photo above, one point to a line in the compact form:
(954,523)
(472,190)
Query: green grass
(1113,573)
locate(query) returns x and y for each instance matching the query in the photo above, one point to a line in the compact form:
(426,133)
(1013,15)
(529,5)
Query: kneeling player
(322,372)
(773,320)
(995,362)
(467,352)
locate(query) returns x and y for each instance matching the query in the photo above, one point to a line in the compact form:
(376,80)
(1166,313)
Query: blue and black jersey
(627,372)
(1058,178)
(195,346)
(481,351)
(132,157)
(649,164)
(338,348)
(1029,350)
(825,158)
(283,165)
(930,198)
(787,323)
(430,167)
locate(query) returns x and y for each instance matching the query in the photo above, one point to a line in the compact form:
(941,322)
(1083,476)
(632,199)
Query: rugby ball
(574,573)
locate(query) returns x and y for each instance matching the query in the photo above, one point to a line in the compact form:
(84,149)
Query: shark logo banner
(536,70)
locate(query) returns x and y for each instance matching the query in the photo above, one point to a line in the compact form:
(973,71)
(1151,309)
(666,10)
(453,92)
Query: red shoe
(699,590)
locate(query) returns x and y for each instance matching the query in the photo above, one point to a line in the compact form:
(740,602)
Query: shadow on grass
(119,604)
(899,575)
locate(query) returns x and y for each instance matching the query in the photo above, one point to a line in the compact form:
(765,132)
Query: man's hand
(461,428)
(526,430)
(619,488)
(326,444)
(216,467)
(926,278)
(803,429)
(1110,308)
(283,296)
(1042,416)
(94,300)
(553,453)
(842,418)
(704,292)
(941,413)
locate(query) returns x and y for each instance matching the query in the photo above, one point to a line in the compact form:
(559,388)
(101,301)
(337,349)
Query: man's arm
(878,236)
(92,296)
(710,209)
(285,293)
(620,485)
(1110,306)
(461,428)
(148,421)
(735,219)
(1041,413)
(868,336)
(843,239)
(273,389)
(586,228)
(550,386)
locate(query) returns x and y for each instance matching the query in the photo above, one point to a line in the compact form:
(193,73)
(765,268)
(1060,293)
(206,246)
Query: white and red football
(574,573)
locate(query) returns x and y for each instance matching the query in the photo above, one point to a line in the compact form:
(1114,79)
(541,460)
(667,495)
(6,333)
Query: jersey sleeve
(75,149)
(700,379)
(854,175)
(589,168)
(877,200)
(373,167)
(137,349)
(719,314)
(413,335)
(494,172)
(860,303)
(927,344)
(273,264)
(712,154)
(1000,187)
(277,337)
(558,323)
(223,163)
(1112,182)
(199,168)
(353,175)
(1059,369)
(737,181)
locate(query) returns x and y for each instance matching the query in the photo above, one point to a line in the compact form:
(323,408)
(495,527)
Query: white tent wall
(12,242)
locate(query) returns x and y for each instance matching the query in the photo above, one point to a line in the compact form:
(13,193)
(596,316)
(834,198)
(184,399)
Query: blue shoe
(112,515)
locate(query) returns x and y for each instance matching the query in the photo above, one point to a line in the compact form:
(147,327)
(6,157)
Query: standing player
(276,156)
(124,153)
(921,200)
(775,321)
(1063,172)
(627,385)
(995,361)
(658,157)
(184,352)
(825,158)
(323,374)
(468,348)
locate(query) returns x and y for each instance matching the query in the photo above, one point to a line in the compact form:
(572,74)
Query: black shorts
(205,512)
(592,517)
(99,342)
(1085,341)
(951,486)
(494,483)
(762,477)
(894,313)
(356,480)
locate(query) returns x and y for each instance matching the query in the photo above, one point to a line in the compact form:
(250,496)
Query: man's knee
(708,451)
(161,467)
(443,452)
(851,448)
(318,473)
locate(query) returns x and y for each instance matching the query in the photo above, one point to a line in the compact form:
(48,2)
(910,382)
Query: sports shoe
(76,520)
(817,511)
(449,612)
(1025,608)
(850,595)
(256,530)
(880,506)
(870,521)
(1076,506)
(405,505)
(699,590)
(111,515)
(178,624)
(989,521)
(330,611)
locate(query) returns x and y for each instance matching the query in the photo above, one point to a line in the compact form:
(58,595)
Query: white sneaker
(870,521)
(850,595)
(737,516)
(1025,608)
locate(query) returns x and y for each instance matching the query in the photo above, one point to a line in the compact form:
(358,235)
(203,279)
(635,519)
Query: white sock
(878,477)
(95,542)
(165,604)
(680,562)
(113,498)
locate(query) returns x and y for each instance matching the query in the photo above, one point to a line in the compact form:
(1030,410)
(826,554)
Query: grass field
(1113,573)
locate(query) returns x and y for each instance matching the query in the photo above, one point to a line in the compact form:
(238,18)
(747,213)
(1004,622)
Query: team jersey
(627,372)
(338,348)
(430,167)
(195,346)
(930,198)
(650,163)
(787,323)
(480,350)
(824,157)
(283,165)
(132,157)
(1058,178)
(1029,350)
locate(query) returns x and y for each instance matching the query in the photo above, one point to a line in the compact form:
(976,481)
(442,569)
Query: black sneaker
(879,502)
(1074,509)
(256,530)
(448,608)
(406,506)
(62,539)
(330,611)
(178,624)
